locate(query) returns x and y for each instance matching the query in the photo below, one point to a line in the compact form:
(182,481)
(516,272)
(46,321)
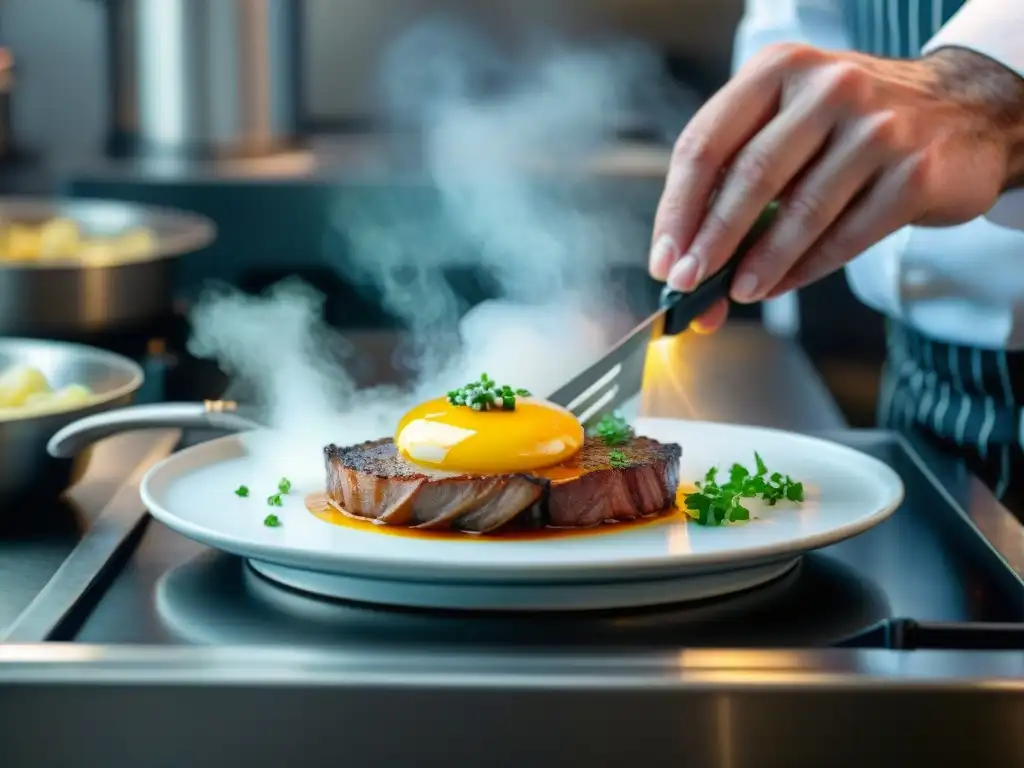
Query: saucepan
(88,381)
(74,267)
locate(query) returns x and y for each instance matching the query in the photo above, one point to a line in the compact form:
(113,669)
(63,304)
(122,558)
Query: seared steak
(623,482)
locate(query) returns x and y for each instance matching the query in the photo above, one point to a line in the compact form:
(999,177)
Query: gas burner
(218,599)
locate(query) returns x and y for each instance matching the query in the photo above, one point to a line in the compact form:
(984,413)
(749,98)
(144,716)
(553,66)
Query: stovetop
(159,639)
(923,576)
(917,566)
(37,535)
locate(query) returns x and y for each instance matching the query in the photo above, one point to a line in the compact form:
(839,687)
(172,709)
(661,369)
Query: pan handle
(211,414)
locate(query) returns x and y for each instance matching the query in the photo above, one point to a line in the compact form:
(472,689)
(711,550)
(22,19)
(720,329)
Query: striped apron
(965,399)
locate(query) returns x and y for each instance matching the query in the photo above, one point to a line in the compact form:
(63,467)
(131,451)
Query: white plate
(847,493)
(557,596)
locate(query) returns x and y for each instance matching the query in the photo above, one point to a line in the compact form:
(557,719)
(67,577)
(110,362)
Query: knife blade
(618,375)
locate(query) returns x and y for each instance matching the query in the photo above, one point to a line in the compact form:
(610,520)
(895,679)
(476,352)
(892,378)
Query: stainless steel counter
(188,658)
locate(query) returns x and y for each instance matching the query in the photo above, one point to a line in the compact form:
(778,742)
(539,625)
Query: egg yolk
(455,438)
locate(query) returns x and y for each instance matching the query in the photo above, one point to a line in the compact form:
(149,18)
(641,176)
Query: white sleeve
(815,22)
(993,28)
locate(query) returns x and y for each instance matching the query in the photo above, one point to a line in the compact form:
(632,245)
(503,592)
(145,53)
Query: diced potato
(70,396)
(97,251)
(24,390)
(67,398)
(59,237)
(38,400)
(23,242)
(136,243)
(18,383)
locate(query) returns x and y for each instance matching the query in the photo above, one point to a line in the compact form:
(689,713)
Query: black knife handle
(684,308)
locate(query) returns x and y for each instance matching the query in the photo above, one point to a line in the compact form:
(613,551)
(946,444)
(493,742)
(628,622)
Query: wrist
(993,94)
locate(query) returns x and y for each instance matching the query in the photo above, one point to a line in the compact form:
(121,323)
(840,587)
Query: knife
(618,376)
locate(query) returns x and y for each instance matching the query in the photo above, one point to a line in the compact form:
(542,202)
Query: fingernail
(663,255)
(745,287)
(684,274)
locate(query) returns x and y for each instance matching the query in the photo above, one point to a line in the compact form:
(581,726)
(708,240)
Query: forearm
(994,93)
(994,29)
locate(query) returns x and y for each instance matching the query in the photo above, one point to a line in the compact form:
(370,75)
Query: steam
(503,141)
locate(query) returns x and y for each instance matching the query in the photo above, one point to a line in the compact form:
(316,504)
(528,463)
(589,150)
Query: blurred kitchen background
(262,114)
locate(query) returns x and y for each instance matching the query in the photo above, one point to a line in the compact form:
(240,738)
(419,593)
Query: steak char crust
(371,480)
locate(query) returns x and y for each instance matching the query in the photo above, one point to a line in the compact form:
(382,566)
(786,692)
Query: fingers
(813,204)
(704,148)
(759,174)
(713,319)
(891,203)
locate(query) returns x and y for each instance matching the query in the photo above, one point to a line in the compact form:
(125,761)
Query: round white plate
(594,596)
(847,492)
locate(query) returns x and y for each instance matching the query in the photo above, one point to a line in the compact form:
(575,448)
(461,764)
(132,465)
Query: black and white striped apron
(968,400)
(965,399)
(896,28)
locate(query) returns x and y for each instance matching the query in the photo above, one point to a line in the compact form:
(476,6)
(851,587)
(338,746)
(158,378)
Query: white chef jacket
(963,284)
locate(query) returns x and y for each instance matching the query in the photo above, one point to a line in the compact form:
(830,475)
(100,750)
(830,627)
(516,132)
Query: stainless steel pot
(204,77)
(69,297)
(26,469)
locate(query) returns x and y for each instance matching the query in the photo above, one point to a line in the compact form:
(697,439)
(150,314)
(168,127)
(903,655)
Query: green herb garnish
(485,395)
(716,503)
(613,430)
(272,521)
(618,459)
(275,500)
(242,490)
(284,485)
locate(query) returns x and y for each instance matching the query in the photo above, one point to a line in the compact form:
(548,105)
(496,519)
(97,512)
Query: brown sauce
(320,506)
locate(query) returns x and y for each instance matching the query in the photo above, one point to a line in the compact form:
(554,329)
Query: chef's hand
(853,147)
